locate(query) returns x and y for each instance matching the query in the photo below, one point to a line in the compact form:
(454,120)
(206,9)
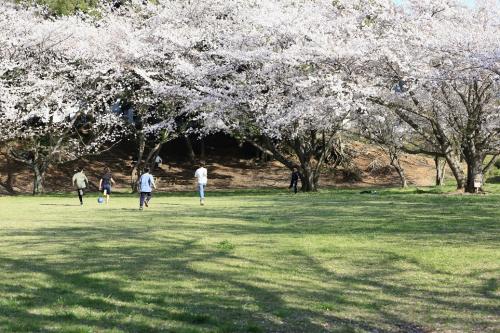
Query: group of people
(145,184)
(81,182)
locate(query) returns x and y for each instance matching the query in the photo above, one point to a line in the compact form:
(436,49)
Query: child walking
(202,177)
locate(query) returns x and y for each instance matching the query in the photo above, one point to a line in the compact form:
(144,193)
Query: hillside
(225,172)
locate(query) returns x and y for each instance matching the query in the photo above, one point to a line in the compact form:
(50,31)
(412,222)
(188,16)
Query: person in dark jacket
(295,179)
(105,183)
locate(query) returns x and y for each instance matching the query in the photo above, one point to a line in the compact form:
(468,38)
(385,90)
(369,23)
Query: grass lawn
(334,261)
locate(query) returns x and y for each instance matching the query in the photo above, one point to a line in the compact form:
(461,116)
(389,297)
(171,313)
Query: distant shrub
(376,168)
(66,7)
(497,164)
(352,174)
(252,328)
(194,318)
(70,7)
(225,245)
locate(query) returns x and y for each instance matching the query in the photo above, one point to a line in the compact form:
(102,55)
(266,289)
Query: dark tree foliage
(69,7)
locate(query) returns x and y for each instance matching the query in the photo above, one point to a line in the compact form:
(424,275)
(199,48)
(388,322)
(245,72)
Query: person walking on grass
(294,180)
(201,175)
(146,186)
(80,182)
(158,162)
(105,183)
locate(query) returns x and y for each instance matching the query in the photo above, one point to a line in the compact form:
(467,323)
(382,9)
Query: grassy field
(334,261)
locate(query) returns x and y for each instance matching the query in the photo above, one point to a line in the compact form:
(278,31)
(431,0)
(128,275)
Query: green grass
(252,261)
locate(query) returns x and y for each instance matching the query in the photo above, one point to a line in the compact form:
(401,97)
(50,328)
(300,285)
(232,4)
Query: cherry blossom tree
(387,131)
(299,80)
(434,67)
(288,76)
(276,74)
(282,75)
(54,91)
(259,70)
(294,116)
(152,122)
(158,92)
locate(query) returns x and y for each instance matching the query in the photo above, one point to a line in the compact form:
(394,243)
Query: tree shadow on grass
(104,294)
(125,276)
(493,180)
(416,220)
(121,285)
(75,283)
(60,205)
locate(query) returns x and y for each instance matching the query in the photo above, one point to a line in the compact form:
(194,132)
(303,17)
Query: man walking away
(105,183)
(80,182)
(158,162)
(295,179)
(146,186)
(201,175)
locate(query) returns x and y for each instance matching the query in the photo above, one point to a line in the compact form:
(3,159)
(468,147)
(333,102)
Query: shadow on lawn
(128,300)
(420,219)
(150,309)
(60,205)
(124,276)
(72,282)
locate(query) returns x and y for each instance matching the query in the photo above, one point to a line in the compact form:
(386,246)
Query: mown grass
(252,261)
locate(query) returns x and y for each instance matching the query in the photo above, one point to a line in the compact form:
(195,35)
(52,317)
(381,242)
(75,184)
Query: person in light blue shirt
(146,186)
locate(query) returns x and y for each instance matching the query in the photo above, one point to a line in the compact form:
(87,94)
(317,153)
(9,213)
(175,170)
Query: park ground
(226,170)
(338,261)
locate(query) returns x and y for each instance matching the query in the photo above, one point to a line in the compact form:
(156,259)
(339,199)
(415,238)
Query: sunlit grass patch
(252,261)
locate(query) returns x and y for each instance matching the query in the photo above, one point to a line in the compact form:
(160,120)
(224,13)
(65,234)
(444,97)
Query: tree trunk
(151,157)
(474,172)
(399,169)
(456,169)
(189,147)
(137,168)
(308,174)
(11,176)
(308,178)
(202,148)
(490,164)
(440,170)
(402,177)
(38,179)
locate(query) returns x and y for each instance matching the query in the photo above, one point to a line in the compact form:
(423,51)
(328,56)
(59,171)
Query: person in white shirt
(158,162)
(201,175)
(146,184)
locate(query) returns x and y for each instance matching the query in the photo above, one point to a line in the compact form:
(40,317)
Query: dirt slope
(224,173)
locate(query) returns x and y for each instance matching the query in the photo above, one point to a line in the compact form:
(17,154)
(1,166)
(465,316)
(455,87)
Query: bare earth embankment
(225,172)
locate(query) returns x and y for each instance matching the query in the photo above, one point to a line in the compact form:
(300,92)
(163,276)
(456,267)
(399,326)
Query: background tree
(54,96)
(431,69)
(285,87)
(284,75)
(387,131)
